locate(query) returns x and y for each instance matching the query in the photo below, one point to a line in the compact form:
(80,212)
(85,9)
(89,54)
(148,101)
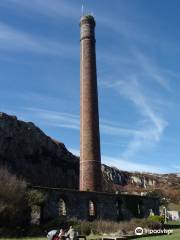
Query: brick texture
(90,157)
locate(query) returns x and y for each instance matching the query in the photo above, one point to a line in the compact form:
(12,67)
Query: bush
(156,218)
(35,197)
(108,227)
(56,223)
(85,228)
(13,206)
(11,187)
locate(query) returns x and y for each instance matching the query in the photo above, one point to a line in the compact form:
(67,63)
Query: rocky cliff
(166,186)
(26,151)
(118,180)
(30,154)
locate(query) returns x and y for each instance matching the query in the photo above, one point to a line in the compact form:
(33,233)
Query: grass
(173,222)
(174,236)
(25,238)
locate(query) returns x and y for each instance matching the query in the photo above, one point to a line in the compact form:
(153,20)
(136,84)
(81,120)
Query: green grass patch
(173,223)
(174,236)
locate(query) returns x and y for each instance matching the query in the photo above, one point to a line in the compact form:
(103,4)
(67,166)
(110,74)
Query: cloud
(139,138)
(152,125)
(55,119)
(125,28)
(72,121)
(151,69)
(48,8)
(109,129)
(137,34)
(15,40)
(126,165)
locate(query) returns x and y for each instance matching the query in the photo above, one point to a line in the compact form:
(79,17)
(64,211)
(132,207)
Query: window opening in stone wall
(35,214)
(119,210)
(92,211)
(139,209)
(62,207)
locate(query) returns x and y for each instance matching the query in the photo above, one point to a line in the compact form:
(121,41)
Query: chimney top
(88,19)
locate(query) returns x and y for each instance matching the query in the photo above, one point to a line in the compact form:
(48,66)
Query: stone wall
(106,206)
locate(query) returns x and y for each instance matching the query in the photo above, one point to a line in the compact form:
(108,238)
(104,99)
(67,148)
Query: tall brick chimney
(90,156)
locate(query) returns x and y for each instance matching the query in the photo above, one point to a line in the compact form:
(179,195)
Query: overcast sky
(138,62)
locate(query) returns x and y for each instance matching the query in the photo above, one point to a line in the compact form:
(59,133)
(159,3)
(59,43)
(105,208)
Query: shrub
(56,223)
(108,227)
(100,226)
(35,197)
(156,218)
(11,187)
(85,227)
(13,207)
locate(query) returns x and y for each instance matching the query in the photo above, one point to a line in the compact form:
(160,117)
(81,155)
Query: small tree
(159,194)
(12,199)
(35,197)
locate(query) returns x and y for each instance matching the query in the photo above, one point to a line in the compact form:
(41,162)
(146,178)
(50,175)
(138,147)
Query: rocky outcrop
(165,185)
(116,177)
(26,151)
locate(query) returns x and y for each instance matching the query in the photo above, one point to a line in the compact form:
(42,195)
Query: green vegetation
(108,227)
(35,197)
(174,223)
(25,238)
(90,17)
(174,236)
(156,218)
(13,205)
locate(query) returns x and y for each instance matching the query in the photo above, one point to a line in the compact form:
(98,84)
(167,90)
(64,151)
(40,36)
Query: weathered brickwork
(90,157)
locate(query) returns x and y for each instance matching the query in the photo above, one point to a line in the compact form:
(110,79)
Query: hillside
(26,151)
(40,160)
(165,185)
